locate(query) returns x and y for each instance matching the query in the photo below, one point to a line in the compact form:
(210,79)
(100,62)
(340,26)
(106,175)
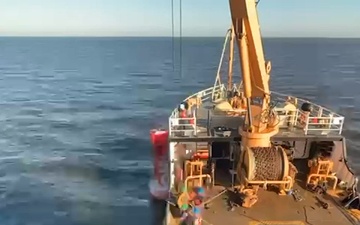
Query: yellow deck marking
(277,223)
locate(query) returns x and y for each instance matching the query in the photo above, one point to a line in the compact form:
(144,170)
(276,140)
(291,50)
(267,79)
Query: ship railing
(282,98)
(287,119)
(182,126)
(209,94)
(318,110)
(188,126)
(319,120)
(325,125)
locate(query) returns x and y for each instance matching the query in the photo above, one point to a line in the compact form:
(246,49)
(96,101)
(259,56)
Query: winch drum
(264,164)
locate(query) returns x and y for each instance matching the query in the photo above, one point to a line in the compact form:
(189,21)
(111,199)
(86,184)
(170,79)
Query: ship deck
(271,208)
(274,209)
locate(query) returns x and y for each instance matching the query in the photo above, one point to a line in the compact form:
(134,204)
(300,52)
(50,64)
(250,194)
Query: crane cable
(173,36)
(180,50)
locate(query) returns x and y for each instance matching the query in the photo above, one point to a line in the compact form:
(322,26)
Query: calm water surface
(75,115)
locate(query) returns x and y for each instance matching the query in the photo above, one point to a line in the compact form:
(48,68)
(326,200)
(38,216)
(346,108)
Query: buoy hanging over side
(159,187)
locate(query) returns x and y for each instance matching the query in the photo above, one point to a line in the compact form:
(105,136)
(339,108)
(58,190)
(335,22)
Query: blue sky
(325,18)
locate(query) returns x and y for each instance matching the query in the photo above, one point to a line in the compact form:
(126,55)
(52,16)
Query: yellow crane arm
(259,125)
(255,71)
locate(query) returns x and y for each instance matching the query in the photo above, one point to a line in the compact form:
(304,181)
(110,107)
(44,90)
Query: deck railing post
(296,117)
(170,123)
(341,125)
(307,123)
(195,122)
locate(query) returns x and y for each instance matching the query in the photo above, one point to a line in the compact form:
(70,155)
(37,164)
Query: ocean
(75,115)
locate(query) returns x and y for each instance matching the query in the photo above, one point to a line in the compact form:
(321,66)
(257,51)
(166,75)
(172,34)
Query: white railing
(324,124)
(318,110)
(188,126)
(182,126)
(289,119)
(205,95)
(310,124)
(320,121)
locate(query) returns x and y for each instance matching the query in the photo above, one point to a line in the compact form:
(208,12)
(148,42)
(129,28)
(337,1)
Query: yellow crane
(258,127)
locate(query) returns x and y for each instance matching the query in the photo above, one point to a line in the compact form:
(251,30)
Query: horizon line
(164,36)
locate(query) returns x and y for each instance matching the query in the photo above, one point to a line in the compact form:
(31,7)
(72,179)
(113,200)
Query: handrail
(321,119)
(303,101)
(205,95)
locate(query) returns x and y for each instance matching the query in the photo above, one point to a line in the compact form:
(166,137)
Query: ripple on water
(74,128)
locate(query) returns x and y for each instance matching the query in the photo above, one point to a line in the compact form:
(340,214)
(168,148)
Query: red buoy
(159,185)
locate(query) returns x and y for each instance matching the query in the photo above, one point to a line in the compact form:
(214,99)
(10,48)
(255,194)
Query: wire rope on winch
(266,163)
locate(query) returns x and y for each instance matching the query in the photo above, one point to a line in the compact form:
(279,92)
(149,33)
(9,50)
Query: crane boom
(247,32)
(258,126)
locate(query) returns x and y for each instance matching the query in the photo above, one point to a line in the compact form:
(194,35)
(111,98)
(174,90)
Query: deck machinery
(280,163)
(261,162)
